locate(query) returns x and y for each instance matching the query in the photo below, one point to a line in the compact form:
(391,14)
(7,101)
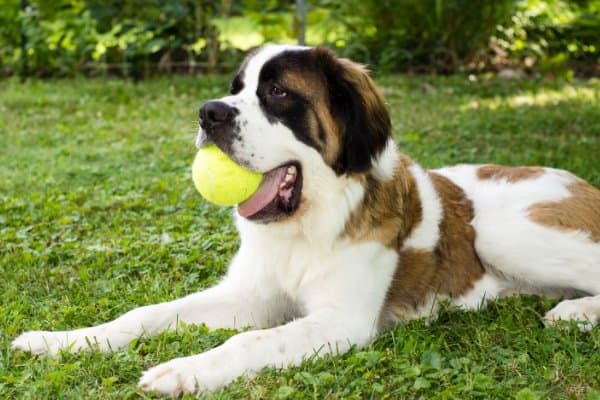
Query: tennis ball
(220,180)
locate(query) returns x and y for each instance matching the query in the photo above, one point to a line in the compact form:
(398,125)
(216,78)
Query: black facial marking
(237,84)
(322,134)
(293,109)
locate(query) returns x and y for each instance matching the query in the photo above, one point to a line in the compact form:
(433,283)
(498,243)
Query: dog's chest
(337,273)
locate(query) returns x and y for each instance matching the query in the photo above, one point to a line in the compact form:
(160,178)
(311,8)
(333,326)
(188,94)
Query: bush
(65,36)
(421,35)
(10,35)
(552,35)
(138,37)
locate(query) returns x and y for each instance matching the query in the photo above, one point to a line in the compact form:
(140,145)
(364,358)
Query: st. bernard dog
(347,236)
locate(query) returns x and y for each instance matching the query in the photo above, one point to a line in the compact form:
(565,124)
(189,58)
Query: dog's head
(296,113)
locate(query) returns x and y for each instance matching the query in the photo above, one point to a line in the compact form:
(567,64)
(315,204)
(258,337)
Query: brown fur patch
(510,174)
(450,270)
(356,109)
(389,210)
(358,77)
(581,211)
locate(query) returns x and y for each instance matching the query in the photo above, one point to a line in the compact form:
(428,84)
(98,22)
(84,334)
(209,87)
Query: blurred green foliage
(64,36)
(434,35)
(555,35)
(141,37)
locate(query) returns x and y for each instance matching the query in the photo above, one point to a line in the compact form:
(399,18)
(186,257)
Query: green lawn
(98,215)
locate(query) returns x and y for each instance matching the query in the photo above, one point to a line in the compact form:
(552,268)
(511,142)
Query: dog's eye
(276,91)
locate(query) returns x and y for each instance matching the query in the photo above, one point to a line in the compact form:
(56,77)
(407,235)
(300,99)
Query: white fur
(427,233)
(308,290)
(487,288)
(384,165)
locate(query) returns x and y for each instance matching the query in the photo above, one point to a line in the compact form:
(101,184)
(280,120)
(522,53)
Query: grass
(98,215)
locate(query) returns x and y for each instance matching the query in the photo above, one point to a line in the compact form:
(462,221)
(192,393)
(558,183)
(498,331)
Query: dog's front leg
(324,332)
(342,303)
(233,303)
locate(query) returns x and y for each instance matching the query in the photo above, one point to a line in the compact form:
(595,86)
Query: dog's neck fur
(443,266)
(388,225)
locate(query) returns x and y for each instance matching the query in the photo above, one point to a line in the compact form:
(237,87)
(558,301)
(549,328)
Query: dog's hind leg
(584,311)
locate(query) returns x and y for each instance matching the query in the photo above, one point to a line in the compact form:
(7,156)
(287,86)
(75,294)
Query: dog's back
(534,225)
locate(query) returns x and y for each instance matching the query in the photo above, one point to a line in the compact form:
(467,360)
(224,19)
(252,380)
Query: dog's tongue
(267,191)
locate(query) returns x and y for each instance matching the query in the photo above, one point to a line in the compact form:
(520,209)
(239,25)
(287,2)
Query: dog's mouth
(278,195)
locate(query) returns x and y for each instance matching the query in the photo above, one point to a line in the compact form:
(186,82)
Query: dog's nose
(214,113)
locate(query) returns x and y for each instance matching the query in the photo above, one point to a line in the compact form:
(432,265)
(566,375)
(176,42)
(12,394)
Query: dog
(346,236)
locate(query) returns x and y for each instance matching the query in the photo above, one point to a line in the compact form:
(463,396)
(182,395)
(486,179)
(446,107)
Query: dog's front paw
(200,373)
(172,378)
(41,342)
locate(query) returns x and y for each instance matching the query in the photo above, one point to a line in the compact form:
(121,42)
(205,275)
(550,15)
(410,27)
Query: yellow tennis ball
(220,180)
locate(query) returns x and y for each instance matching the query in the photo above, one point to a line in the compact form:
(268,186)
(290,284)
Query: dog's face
(295,113)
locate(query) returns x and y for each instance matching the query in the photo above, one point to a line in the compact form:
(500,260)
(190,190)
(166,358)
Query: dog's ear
(359,109)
